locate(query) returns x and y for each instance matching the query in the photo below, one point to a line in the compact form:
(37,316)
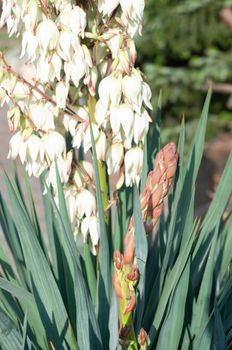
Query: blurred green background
(185,43)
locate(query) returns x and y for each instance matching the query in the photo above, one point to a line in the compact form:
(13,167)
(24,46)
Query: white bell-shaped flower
(141,125)
(42,116)
(101,145)
(48,35)
(114,157)
(62,90)
(64,169)
(32,149)
(54,144)
(86,203)
(14,145)
(29,45)
(110,90)
(90,225)
(147,95)
(101,113)
(133,166)
(132,90)
(107,6)
(126,116)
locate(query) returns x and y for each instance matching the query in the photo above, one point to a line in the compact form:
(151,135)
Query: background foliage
(185,43)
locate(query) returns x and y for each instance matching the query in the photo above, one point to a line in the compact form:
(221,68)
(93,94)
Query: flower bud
(143,339)
(130,304)
(117,285)
(101,145)
(133,275)
(129,248)
(118,260)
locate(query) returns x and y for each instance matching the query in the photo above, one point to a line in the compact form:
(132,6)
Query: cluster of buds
(125,279)
(126,273)
(157,186)
(83,72)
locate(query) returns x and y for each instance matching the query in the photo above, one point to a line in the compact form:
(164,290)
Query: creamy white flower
(54,144)
(115,41)
(110,90)
(132,90)
(126,115)
(21,91)
(64,169)
(83,135)
(90,225)
(115,120)
(141,126)
(86,203)
(133,8)
(70,199)
(62,90)
(74,19)
(147,95)
(75,69)
(133,166)
(107,6)
(114,158)
(31,15)
(42,116)
(32,149)
(101,145)
(29,45)
(88,168)
(48,35)
(14,145)
(101,113)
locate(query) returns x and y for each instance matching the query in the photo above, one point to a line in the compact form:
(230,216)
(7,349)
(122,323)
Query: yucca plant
(123,263)
(56,295)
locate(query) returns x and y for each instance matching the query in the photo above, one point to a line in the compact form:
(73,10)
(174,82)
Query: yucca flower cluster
(84,77)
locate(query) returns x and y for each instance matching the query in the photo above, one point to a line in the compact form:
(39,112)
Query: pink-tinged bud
(167,159)
(118,260)
(13,116)
(117,285)
(133,53)
(124,60)
(143,339)
(131,304)
(133,275)
(129,248)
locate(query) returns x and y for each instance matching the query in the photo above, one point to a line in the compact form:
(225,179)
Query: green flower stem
(101,165)
(126,319)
